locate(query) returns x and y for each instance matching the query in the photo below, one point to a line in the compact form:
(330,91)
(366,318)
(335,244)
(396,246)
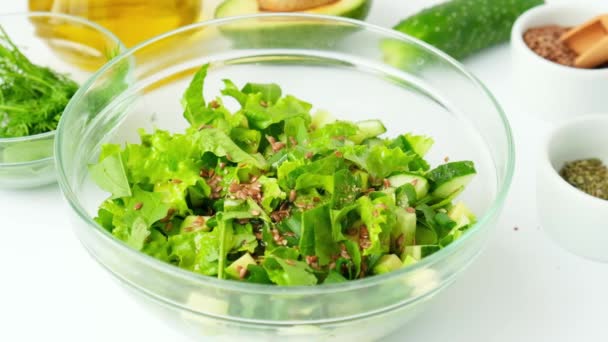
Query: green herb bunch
(32,97)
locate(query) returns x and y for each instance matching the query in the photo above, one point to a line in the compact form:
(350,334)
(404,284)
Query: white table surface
(522,288)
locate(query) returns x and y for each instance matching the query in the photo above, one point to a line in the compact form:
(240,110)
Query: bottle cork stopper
(589,41)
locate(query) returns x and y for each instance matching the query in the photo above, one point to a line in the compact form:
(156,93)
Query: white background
(522,288)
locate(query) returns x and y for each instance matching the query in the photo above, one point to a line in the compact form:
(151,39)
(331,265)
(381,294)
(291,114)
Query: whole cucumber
(463,27)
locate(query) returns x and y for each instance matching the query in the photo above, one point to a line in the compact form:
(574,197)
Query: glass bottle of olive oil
(131,20)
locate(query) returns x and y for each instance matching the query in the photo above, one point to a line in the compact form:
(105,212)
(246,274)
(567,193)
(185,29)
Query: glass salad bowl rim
(72,18)
(273,289)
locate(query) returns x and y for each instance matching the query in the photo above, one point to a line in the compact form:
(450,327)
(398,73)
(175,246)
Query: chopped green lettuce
(288,271)
(304,199)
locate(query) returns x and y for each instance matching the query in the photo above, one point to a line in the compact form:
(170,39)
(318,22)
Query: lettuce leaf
(379,218)
(271,92)
(198,252)
(284,269)
(380,161)
(316,238)
(325,166)
(195,110)
(419,144)
(109,173)
(142,209)
(272,193)
(243,239)
(219,143)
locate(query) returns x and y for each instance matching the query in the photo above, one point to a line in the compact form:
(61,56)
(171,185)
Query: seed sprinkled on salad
(273,194)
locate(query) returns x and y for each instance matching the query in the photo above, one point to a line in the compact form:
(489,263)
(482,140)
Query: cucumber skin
(447,172)
(463,27)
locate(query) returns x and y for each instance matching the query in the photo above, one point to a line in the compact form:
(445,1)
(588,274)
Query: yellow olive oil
(131,20)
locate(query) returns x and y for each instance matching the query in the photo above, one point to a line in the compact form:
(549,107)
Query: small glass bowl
(63,43)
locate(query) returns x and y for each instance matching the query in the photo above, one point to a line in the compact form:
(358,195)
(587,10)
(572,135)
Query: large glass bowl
(336,64)
(66,44)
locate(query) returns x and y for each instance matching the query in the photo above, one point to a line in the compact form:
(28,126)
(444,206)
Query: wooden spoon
(589,41)
(291,5)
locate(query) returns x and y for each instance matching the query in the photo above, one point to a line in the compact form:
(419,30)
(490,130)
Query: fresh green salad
(271,194)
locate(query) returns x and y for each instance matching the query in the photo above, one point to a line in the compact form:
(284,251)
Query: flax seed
(292,196)
(545,42)
(310,259)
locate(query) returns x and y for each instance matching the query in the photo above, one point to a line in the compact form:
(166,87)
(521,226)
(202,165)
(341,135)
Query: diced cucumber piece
(373,142)
(420,144)
(420,183)
(409,260)
(321,118)
(406,226)
(423,281)
(419,251)
(368,129)
(449,177)
(389,192)
(387,263)
(462,215)
(208,303)
(448,200)
(234,270)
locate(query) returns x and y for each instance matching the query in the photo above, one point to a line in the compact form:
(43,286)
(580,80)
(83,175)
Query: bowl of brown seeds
(545,80)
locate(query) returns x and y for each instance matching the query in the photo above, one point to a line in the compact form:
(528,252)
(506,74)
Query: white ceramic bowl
(575,220)
(547,89)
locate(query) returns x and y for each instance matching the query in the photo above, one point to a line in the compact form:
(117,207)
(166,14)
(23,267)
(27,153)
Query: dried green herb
(588,175)
(32,97)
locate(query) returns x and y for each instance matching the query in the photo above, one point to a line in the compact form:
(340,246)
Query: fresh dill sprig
(32,97)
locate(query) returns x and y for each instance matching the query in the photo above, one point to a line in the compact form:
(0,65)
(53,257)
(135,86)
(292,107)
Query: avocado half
(355,9)
(289,32)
